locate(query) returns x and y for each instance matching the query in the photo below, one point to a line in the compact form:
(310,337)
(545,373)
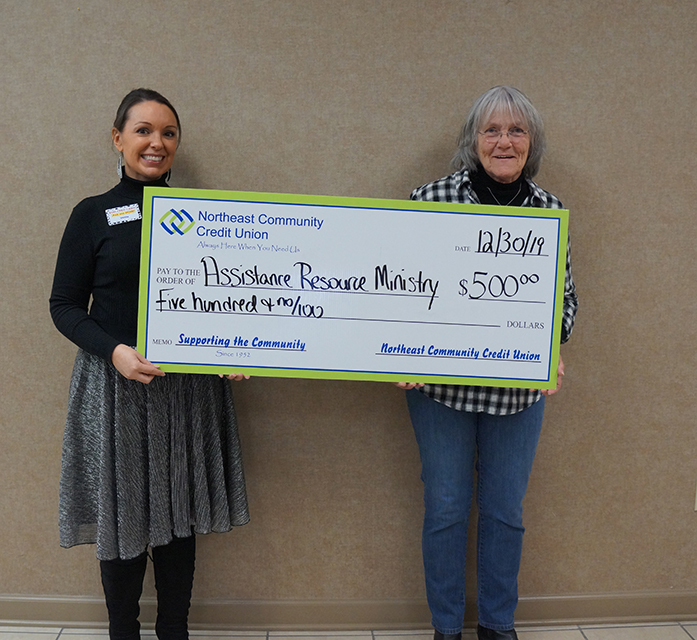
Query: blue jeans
(503,448)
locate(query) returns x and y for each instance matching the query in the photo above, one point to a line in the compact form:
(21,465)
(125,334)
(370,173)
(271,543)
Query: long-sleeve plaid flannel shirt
(457,187)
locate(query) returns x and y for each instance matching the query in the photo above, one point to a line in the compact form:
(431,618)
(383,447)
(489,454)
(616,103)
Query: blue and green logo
(176,222)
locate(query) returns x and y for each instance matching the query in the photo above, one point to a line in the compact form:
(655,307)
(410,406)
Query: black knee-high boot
(123,584)
(174,578)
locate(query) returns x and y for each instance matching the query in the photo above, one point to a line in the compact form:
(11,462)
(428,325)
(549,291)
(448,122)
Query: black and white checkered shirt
(457,187)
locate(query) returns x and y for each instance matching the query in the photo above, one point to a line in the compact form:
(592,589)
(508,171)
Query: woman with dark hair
(148,460)
(459,428)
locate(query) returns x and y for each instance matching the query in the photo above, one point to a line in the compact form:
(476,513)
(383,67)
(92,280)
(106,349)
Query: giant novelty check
(356,289)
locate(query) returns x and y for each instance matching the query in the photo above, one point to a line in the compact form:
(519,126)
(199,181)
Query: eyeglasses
(493,135)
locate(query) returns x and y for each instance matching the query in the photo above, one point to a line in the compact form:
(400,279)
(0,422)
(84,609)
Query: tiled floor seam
(688,632)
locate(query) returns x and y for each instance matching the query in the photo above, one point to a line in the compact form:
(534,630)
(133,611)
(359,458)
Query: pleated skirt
(143,463)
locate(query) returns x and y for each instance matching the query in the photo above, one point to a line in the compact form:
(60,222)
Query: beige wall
(364,98)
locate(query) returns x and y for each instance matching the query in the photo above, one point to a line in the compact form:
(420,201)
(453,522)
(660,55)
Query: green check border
(562,215)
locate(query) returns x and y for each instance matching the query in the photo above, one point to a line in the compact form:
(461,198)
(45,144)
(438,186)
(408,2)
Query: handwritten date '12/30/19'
(503,242)
(498,287)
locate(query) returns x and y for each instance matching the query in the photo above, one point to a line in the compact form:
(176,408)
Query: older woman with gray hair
(459,428)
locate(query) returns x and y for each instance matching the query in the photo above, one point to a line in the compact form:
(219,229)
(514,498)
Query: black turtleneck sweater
(102,262)
(489,191)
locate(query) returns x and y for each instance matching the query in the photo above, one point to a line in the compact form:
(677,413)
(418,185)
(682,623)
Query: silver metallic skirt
(143,463)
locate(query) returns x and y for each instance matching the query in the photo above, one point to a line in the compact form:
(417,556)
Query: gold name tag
(129,213)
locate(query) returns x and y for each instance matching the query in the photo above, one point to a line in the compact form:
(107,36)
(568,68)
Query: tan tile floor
(660,631)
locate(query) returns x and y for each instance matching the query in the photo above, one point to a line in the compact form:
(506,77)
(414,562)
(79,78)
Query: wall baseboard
(80,611)
(635,607)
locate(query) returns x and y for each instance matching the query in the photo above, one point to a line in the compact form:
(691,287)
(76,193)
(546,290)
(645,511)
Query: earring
(168,175)
(119,165)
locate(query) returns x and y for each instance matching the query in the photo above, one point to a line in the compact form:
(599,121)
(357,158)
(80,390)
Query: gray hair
(512,102)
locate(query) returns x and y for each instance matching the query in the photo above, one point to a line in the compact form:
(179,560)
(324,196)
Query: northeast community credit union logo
(178,222)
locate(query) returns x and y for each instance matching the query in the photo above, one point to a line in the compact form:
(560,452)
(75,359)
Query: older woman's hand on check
(560,375)
(408,385)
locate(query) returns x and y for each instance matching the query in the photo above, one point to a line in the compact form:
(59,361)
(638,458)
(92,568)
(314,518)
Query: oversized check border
(345,207)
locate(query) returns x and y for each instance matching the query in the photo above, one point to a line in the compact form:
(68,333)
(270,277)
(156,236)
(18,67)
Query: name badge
(129,213)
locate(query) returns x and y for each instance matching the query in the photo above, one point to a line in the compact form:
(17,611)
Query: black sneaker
(492,634)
